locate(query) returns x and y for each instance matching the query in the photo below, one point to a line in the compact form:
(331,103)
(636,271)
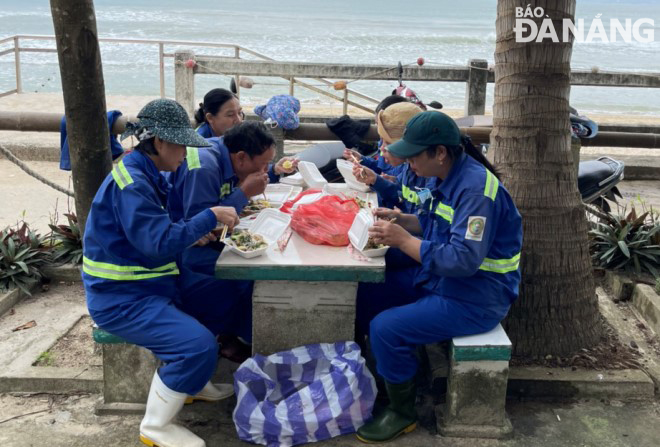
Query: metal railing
(476,74)
(162,54)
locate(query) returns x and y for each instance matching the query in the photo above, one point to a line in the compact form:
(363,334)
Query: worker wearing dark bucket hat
(424,130)
(167,120)
(131,276)
(465,275)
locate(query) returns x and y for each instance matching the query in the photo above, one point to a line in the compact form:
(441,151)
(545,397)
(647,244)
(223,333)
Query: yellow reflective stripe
(225,189)
(121,175)
(192,156)
(118,180)
(501,265)
(444,211)
(410,195)
(126,273)
(492,184)
(128,276)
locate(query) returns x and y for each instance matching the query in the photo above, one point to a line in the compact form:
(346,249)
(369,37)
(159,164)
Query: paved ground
(69,421)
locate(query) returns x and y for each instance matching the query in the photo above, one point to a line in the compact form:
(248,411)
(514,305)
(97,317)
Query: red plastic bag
(325,221)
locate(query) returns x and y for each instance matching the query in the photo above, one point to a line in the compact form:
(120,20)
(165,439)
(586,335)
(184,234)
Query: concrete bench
(127,373)
(476,387)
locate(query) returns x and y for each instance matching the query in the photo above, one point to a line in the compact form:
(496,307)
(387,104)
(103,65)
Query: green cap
(429,128)
(167,120)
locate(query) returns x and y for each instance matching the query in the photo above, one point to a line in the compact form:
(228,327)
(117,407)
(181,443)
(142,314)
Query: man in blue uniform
(131,277)
(468,254)
(233,169)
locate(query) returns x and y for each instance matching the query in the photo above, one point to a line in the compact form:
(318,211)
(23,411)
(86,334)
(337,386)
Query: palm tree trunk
(557,311)
(84,99)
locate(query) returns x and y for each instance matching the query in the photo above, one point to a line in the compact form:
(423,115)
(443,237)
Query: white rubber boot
(212,393)
(157,428)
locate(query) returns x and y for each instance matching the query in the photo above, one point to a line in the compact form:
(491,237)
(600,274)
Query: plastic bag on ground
(308,394)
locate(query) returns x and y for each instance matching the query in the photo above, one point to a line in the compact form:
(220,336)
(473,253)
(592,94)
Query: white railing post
(161,63)
(184,81)
(237,78)
(17,65)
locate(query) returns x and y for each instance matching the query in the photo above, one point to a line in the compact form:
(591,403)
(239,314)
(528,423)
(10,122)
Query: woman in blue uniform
(131,277)
(467,244)
(220,111)
(401,192)
(381,164)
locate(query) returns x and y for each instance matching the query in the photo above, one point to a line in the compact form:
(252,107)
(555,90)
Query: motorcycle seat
(596,177)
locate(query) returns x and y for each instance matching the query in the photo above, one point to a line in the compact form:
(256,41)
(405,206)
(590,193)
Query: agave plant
(67,241)
(629,243)
(22,254)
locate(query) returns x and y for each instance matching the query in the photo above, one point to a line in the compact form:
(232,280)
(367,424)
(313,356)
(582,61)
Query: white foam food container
(270,224)
(311,174)
(346,170)
(359,234)
(294,179)
(276,193)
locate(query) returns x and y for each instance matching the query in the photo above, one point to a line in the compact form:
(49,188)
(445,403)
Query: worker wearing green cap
(466,241)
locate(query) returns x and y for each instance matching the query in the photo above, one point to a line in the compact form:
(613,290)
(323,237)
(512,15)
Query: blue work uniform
(379,165)
(204,180)
(403,192)
(131,277)
(205,130)
(468,277)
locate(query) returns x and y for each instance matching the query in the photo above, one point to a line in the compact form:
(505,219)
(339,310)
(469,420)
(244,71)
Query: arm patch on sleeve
(476,227)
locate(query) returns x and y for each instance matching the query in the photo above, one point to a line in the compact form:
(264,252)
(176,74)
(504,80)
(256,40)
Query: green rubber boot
(398,418)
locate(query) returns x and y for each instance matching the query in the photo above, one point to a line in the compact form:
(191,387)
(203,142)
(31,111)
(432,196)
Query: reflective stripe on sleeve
(501,265)
(492,184)
(192,157)
(126,273)
(121,175)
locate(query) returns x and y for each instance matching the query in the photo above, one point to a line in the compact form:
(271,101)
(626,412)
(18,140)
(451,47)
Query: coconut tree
(84,98)
(557,311)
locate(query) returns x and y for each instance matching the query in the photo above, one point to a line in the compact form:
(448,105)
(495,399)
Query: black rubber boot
(398,418)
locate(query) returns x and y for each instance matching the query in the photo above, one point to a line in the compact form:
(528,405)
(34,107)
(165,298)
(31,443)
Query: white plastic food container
(294,179)
(346,170)
(270,224)
(277,194)
(311,174)
(359,234)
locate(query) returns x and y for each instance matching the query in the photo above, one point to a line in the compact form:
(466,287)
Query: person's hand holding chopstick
(226,215)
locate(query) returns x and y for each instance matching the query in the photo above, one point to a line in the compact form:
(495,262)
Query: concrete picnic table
(304,295)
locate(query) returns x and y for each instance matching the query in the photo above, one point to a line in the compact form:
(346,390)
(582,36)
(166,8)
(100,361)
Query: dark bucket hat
(426,129)
(167,120)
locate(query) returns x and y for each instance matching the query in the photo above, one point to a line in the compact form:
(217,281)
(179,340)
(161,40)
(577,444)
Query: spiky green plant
(22,254)
(627,242)
(67,241)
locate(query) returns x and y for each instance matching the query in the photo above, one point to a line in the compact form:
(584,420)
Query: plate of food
(248,244)
(256,205)
(264,231)
(359,235)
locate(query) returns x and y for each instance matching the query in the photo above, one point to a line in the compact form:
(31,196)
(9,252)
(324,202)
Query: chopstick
(224,233)
(356,161)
